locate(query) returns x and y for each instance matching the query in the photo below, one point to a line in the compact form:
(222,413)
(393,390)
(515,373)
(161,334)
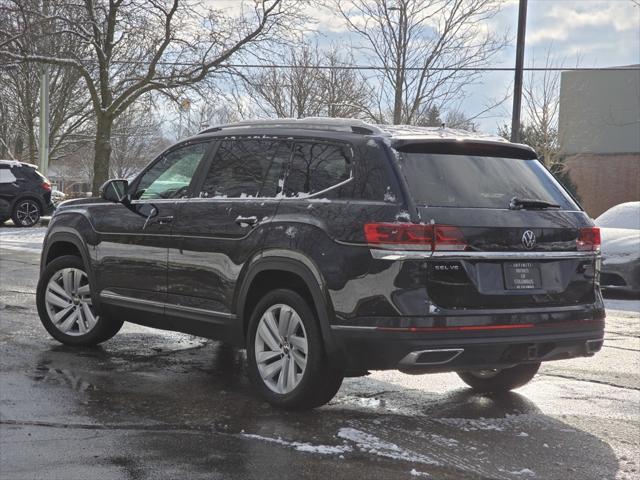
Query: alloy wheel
(281,348)
(68,302)
(27,213)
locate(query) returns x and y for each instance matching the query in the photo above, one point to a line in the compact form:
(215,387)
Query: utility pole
(44,108)
(44,120)
(517,84)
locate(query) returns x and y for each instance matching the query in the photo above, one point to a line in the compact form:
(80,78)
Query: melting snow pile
(303,446)
(372,444)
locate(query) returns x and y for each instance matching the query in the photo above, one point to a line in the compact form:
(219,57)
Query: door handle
(164,220)
(251,221)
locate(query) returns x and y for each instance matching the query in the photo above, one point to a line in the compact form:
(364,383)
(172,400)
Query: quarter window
(170,176)
(247,168)
(316,167)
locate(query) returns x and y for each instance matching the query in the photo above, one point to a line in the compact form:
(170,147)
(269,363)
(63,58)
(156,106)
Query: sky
(584,33)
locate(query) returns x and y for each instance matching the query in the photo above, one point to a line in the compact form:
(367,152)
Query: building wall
(599,112)
(605,180)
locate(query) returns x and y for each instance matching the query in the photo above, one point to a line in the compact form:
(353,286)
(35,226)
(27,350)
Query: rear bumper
(47,209)
(365,348)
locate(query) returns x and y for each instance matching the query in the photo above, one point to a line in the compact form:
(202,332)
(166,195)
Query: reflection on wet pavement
(151,404)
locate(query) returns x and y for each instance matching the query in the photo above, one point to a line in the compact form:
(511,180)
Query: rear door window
(247,168)
(470,181)
(317,167)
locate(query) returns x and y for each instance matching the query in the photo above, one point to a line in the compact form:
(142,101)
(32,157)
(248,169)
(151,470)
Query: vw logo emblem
(529,239)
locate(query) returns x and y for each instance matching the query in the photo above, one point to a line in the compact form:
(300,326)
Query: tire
(500,380)
(313,381)
(64,290)
(26,213)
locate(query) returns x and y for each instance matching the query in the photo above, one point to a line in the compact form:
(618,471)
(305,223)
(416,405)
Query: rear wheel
(286,356)
(65,306)
(26,213)
(500,380)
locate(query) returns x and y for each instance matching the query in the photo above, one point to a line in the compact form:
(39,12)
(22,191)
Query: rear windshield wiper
(528,203)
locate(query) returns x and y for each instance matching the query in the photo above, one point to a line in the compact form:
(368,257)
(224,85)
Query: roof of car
(16,163)
(404,133)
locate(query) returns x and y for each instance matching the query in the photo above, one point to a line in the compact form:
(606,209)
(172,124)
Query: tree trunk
(102,153)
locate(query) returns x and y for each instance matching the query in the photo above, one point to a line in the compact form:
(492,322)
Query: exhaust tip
(431,357)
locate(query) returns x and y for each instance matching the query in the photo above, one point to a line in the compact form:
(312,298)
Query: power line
(360,67)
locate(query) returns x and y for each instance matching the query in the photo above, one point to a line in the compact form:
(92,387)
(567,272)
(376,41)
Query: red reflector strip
(514,326)
(457,329)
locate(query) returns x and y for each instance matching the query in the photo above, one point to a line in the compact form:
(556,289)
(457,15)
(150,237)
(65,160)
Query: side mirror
(115,190)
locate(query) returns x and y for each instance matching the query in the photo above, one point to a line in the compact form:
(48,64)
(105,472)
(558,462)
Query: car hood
(75,202)
(620,245)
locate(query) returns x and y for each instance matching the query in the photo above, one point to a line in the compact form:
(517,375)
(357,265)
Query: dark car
(328,248)
(25,194)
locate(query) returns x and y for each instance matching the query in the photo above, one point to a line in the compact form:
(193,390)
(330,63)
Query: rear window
(472,181)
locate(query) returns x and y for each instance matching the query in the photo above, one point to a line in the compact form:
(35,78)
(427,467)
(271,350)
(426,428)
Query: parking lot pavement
(152,404)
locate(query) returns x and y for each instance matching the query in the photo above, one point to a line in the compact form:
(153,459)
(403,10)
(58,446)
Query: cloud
(559,20)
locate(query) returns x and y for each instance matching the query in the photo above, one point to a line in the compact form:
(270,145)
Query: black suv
(328,248)
(25,194)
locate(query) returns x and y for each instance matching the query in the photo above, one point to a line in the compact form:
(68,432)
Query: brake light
(588,239)
(46,186)
(412,236)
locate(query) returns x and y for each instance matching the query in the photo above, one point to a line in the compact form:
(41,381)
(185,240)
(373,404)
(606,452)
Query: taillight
(46,186)
(588,239)
(412,236)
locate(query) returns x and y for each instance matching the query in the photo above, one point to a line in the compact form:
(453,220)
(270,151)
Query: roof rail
(307,123)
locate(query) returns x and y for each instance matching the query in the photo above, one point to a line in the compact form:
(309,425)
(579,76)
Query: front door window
(171,176)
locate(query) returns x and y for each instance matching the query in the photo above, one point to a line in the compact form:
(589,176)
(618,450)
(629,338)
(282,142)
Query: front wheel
(500,380)
(285,353)
(65,306)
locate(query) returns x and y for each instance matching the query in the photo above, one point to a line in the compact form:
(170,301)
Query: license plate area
(522,276)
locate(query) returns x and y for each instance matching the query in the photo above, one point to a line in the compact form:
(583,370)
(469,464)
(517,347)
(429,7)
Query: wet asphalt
(152,405)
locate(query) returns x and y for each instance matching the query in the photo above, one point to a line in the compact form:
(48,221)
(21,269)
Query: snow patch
(302,446)
(472,424)
(416,473)
(389,196)
(372,444)
(22,239)
(291,232)
(525,472)
(403,216)
(625,215)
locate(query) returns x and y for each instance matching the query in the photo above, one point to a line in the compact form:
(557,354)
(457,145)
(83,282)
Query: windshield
(470,181)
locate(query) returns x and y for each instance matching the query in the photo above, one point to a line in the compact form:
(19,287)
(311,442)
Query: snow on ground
(23,239)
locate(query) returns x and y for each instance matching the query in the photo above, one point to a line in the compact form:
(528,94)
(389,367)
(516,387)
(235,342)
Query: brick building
(599,133)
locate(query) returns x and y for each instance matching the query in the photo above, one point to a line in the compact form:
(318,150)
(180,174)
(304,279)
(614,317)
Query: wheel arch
(67,241)
(27,196)
(281,268)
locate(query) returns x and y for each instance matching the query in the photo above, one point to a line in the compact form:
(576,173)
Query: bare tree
(136,140)
(139,46)
(541,95)
(69,104)
(316,84)
(413,40)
